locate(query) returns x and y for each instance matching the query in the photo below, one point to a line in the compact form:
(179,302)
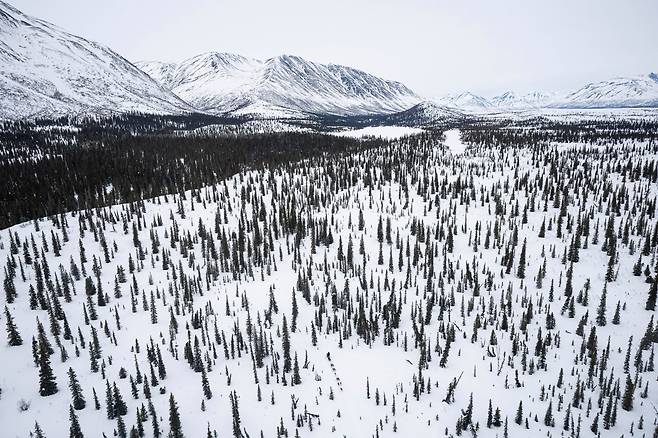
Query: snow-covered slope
(623,92)
(511,100)
(45,71)
(425,114)
(223,82)
(466,101)
(508,100)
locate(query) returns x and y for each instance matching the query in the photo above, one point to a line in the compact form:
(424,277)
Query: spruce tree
(74,430)
(47,383)
(627,400)
(175,427)
(520,273)
(205,384)
(38,433)
(653,292)
(287,362)
(548,417)
(76,391)
(235,412)
(13,336)
(600,311)
(518,419)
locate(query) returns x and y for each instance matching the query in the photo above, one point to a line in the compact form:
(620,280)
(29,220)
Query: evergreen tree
(548,417)
(653,292)
(175,427)
(205,384)
(627,400)
(600,311)
(38,433)
(287,362)
(74,430)
(76,391)
(518,419)
(520,273)
(47,383)
(13,336)
(235,412)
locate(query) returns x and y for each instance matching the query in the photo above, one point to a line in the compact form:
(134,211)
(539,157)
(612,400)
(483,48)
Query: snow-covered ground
(386,132)
(410,261)
(454,142)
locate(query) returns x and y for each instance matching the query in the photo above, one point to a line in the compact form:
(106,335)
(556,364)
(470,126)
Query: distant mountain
(505,101)
(510,100)
(622,92)
(45,71)
(285,85)
(466,101)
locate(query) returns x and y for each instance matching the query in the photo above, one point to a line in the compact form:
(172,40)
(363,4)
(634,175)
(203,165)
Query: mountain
(622,92)
(466,101)
(506,101)
(46,71)
(221,83)
(425,114)
(510,100)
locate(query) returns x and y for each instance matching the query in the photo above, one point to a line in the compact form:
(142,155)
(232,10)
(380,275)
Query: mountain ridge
(218,82)
(46,72)
(637,91)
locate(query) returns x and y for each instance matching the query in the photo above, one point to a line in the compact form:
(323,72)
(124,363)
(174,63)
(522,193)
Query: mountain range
(222,82)
(623,92)
(48,72)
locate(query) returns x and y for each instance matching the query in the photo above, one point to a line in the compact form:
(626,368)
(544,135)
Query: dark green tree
(13,336)
(76,391)
(74,430)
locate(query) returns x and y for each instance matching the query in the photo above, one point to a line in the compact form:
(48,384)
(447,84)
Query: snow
(387,132)
(225,82)
(640,91)
(389,369)
(454,142)
(47,72)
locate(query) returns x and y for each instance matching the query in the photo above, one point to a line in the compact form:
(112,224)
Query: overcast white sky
(434,47)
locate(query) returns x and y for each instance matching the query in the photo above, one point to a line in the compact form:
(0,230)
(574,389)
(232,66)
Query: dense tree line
(130,168)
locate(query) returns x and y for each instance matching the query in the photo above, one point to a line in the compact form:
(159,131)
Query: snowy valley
(228,246)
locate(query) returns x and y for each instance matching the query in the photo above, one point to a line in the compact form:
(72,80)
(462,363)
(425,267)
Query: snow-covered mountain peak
(222,83)
(46,71)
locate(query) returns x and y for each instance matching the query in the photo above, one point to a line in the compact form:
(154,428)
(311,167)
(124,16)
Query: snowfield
(369,295)
(386,132)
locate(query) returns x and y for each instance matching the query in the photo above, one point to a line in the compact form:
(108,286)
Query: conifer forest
(306,284)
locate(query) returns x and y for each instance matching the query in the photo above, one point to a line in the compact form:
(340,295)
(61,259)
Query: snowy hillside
(415,289)
(630,92)
(224,82)
(425,114)
(45,71)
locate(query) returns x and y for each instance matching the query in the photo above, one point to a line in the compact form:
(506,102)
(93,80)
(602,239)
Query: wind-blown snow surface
(223,82)
(278,225)
(47,72)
